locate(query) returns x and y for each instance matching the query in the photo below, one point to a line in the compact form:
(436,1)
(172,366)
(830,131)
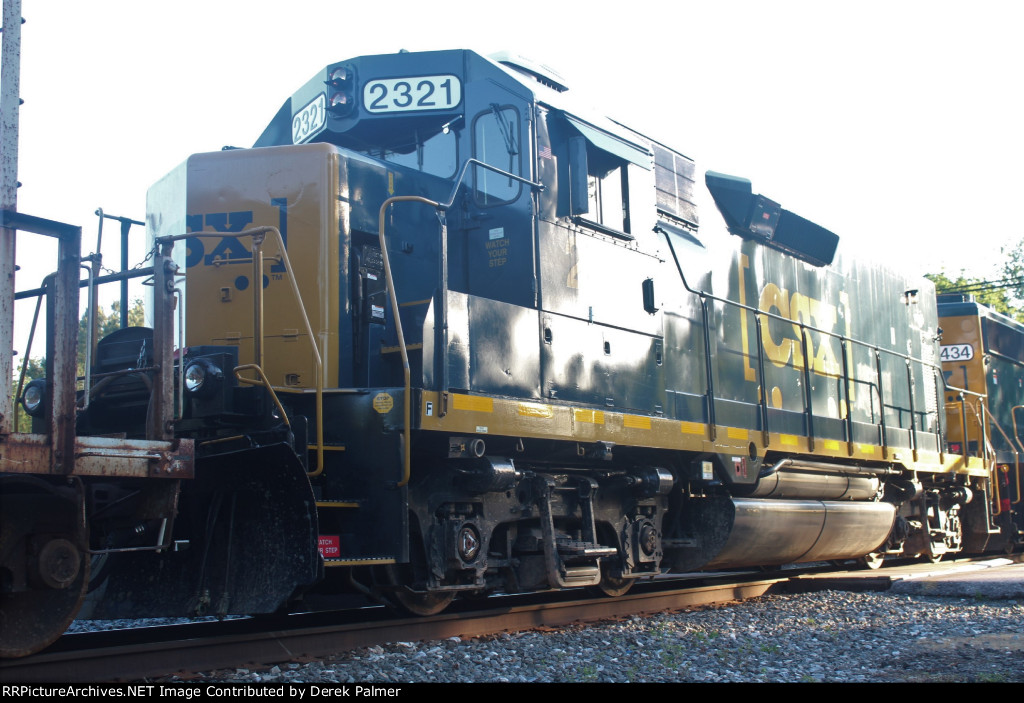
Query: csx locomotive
(446,333)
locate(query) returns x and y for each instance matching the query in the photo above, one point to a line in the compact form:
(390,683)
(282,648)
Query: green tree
(1013,271)
(996,298)
(35,367)
(108,322)
(1003,293)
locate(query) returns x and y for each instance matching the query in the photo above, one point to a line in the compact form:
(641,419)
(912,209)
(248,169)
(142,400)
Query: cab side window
(496,142)
(600,187)
(606,201)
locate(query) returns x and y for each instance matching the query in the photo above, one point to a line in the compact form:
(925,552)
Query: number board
(410,94)
(956,352)
(309,120)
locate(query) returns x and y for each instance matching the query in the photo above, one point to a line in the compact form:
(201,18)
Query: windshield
(436,154)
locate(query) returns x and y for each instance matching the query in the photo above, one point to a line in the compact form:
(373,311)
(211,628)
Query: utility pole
(10,79)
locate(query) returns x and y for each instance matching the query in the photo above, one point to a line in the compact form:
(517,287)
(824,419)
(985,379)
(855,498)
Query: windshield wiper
(506,130)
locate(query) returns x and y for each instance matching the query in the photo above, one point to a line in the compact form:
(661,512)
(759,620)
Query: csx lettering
(782,343)
(230,247)
(227,247)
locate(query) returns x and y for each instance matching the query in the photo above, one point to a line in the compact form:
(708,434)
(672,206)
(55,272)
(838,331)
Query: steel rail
(90,661)
(148,653)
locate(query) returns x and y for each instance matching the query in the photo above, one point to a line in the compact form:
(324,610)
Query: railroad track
(153,652)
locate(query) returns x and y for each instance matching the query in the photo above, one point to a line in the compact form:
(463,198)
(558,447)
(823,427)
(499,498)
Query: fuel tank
(736,532)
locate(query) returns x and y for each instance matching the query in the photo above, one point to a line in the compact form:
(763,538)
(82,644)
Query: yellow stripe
(831,444)
(534,410)
(476,403)
(590,424)
(637,422)
(736,433)
(691,428)
(395,350)
(594,417)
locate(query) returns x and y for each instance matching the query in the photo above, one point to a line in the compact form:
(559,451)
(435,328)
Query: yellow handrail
(406,414)
(262,381)
(257,234)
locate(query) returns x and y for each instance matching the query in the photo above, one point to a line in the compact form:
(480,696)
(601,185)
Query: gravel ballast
(827,636)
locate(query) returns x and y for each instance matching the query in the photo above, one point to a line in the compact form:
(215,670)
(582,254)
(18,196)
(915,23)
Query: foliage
(35,368)
(1013,268)
(997,299)
(1004,293)
(107,322)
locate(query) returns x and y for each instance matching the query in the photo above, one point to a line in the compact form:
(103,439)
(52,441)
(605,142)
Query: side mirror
(649,305)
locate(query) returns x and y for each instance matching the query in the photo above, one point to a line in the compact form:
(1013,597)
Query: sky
(894,124)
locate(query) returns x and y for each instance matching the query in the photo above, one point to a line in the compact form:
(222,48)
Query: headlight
(202,377)
(195,376)
(33,396)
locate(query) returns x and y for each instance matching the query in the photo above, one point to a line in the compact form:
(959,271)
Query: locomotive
(444,333)
(982,352)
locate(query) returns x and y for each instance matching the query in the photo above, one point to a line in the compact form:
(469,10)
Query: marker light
(340,85)
(340,77)
(32,397)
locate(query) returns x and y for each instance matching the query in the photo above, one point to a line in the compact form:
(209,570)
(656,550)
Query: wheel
(934,557)
(421,603)
(872,561)
(424,604)
(33,617)
(611,586)
(408,584)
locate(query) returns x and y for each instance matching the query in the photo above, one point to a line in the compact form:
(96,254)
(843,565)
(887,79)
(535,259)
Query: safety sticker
(383,402)
(329,546)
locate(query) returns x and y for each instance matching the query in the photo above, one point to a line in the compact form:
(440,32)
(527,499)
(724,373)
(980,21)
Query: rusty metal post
(161,414)
(9,103)
(62,349)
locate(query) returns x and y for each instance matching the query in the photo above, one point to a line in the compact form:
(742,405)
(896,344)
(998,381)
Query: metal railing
(60,291)
(990,450)
(761,316)
(258,235)
(442,308)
